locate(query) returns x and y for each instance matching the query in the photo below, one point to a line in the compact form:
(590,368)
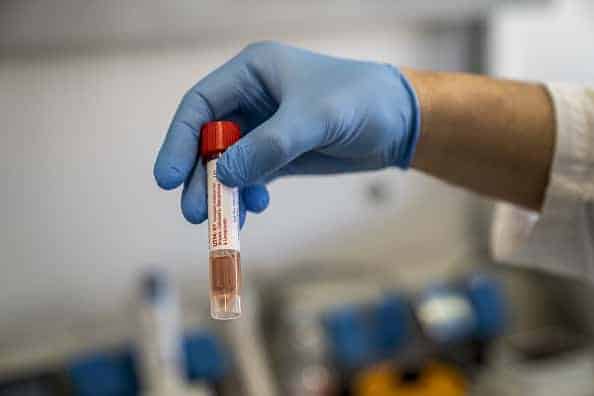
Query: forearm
(494,137)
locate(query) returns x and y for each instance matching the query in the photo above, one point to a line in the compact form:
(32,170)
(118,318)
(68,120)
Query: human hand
(300,113)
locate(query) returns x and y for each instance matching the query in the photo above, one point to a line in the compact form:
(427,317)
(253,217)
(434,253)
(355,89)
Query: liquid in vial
(225,284)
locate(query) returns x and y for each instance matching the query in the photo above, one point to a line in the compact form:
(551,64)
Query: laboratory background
(378,283)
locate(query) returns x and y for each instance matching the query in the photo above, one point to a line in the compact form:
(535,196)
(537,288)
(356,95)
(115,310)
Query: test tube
(223,223)
(160,342)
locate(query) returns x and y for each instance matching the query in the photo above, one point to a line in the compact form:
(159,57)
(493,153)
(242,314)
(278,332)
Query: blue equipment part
(206,358)
(104,374)
(393,325)
(349,337)
(490,306)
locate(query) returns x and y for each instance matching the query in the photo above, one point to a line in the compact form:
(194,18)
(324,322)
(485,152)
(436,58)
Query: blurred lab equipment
(351,335)
(164,361)
(474,307)
(433,380)
(119,372)
(453,323)
(298,346)
(160,346)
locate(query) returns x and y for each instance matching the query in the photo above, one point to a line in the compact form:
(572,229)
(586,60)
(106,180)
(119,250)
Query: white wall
(553,43)
(82,214)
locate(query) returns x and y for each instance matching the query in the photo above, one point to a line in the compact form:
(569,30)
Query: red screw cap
(216,136)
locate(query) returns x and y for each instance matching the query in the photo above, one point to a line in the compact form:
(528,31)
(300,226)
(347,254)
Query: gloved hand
(300,113)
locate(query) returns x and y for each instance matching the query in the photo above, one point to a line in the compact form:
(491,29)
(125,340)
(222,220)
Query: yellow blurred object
(434,380)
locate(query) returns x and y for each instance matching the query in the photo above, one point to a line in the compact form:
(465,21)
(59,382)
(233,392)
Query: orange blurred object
(435,379)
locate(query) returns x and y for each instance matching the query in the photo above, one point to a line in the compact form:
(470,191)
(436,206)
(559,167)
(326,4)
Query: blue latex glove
(300,112)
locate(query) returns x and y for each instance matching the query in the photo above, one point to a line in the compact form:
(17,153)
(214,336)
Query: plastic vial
(223,223)
(160,342)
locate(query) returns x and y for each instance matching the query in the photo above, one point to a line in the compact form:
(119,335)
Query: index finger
(211,98)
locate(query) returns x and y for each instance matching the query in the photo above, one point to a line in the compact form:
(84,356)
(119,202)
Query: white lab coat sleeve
(561,238)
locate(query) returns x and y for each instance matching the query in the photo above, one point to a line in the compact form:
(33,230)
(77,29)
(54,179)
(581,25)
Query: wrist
(407,148)
(420,82)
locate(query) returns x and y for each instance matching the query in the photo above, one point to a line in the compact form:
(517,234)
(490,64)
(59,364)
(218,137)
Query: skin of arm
(495,137)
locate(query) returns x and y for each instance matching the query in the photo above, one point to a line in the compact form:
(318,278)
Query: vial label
(223,212)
